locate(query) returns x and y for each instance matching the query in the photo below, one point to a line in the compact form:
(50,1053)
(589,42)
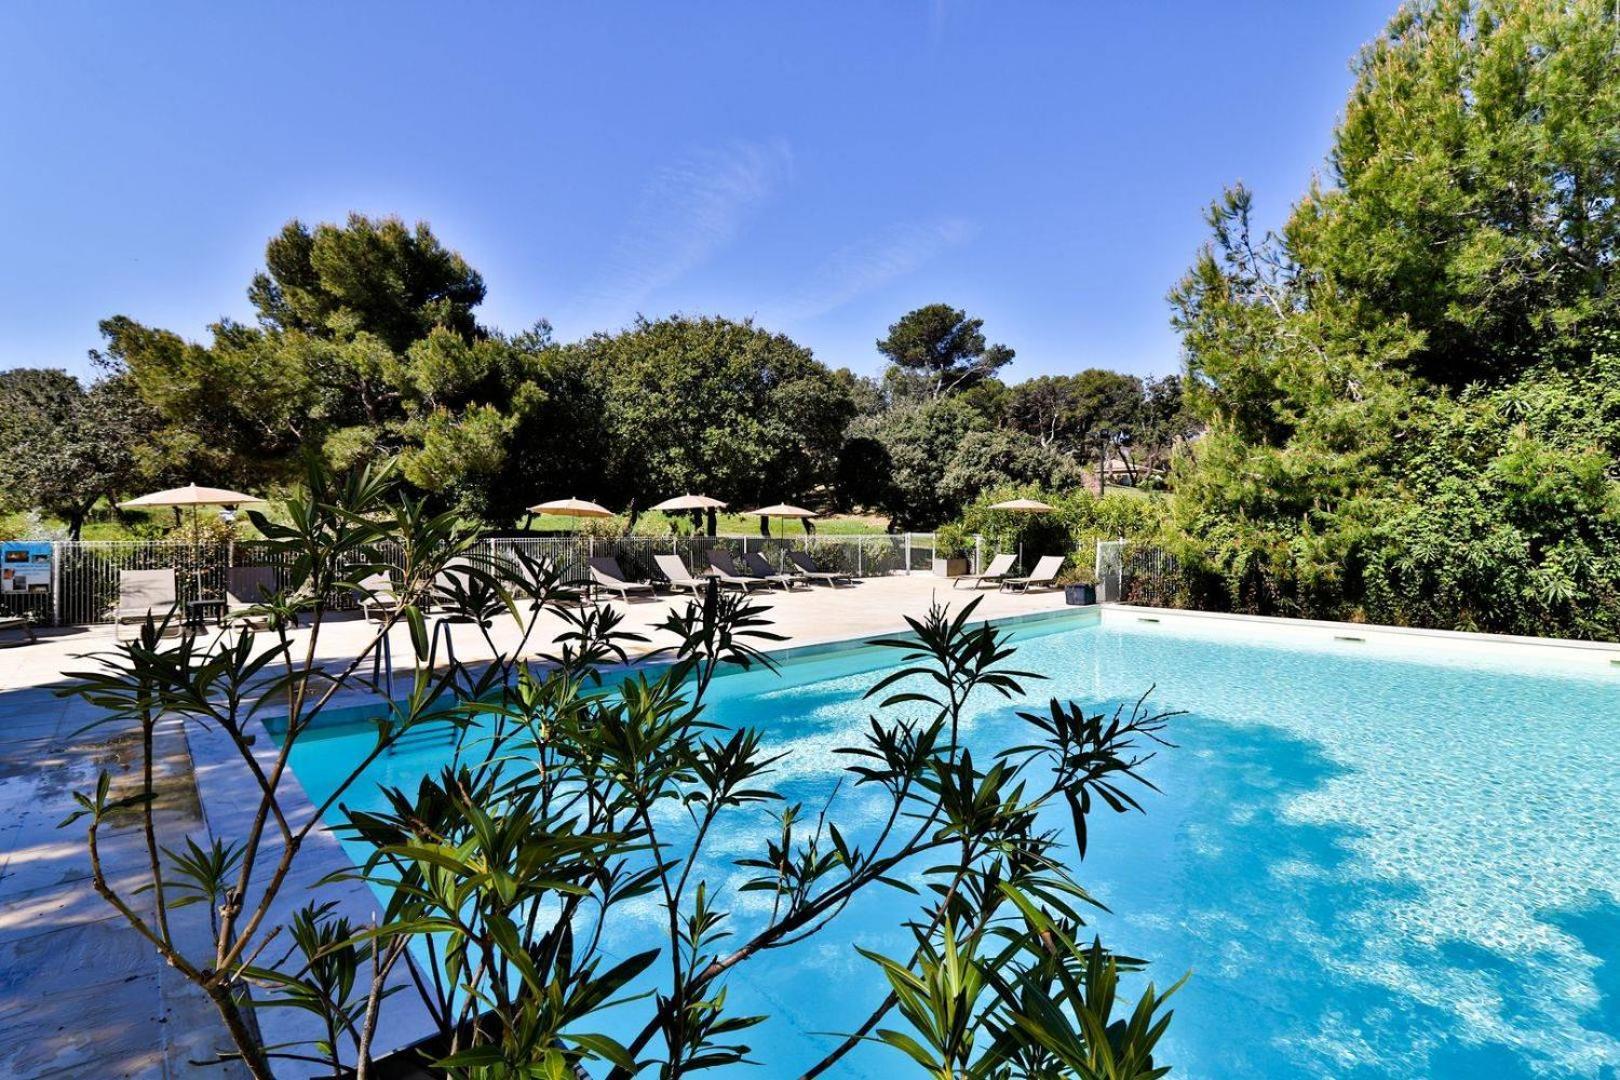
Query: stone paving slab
(101,987)
(81,993)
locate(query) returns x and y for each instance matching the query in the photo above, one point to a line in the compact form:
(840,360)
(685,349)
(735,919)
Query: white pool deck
(82,996)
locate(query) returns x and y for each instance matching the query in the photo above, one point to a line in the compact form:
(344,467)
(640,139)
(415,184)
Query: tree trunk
(242,1032)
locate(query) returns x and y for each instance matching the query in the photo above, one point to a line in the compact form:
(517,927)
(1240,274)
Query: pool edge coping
(1542,646)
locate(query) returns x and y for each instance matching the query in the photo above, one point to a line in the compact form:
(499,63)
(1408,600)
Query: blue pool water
(1372,867)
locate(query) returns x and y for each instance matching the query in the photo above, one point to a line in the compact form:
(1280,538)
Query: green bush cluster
(1411,391)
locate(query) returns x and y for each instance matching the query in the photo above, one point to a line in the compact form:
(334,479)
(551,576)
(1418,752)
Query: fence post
(978,553)
(908,553)
(860,558)
(56,583)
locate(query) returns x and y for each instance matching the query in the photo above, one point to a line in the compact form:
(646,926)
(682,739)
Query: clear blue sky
(822,167)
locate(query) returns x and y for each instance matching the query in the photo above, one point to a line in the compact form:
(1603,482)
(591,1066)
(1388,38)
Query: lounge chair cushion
(726,570)
(999,567)
(806,566)
(1045,573)
(676,572)
(143,592)
(606,573)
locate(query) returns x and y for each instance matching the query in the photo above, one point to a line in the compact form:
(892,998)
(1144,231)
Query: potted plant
(1079,586)
(950,551)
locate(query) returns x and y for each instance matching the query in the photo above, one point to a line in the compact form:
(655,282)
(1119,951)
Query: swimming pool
(1375,863)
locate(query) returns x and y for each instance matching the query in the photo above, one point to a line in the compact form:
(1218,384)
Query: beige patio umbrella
(692,502)
(1023,506)
(192,495)
(576,508)
(783,510)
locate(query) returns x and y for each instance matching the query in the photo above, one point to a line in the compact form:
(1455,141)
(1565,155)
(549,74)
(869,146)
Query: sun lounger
(761,568)
(246,588)
(996,572)
(18,622)
(377,597)
(726,571)
(525,578)
(805,567)
(452,584)
(144,594)
(677,575)
(1045,573)
(606,574)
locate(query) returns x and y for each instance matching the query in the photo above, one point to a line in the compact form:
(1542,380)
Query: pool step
(422,736)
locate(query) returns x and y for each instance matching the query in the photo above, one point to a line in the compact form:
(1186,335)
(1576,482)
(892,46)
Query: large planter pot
(950,567)
(1081,595)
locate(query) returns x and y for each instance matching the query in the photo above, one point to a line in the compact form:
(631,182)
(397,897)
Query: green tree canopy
(1066,411)
(921,462)
(713,406)
(1363,372)
(366,345)
(65,446)
(375,275)
(1003,458)
(905,455)
(1474,179)
(1470,227)
(942,349)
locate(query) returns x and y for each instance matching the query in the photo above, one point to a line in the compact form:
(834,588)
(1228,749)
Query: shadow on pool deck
(81,993)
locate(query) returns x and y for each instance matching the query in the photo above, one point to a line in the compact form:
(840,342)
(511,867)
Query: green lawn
(1132,493)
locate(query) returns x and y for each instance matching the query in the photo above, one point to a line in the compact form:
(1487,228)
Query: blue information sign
(25,567)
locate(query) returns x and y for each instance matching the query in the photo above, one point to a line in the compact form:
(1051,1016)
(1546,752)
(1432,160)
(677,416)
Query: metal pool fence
(84,575)
(1132,572)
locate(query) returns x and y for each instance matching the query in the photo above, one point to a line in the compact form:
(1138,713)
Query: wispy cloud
(870,264)
(688,211)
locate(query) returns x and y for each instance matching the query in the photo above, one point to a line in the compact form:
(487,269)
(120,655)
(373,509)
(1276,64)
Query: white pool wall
(1564,655)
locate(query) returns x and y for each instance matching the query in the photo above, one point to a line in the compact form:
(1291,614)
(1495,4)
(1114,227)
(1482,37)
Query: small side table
(201,612)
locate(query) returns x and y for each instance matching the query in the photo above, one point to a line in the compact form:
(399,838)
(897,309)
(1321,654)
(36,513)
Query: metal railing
(1132,572)
(867,555)
(84,575)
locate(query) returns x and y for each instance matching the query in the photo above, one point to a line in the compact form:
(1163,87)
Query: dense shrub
(1411,391)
